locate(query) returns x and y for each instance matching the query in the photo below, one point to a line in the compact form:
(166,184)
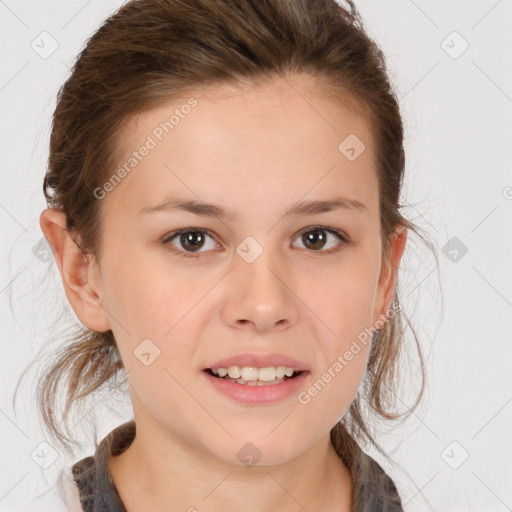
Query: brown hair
(150,51)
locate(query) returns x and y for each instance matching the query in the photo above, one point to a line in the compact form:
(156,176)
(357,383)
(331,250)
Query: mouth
(255,376)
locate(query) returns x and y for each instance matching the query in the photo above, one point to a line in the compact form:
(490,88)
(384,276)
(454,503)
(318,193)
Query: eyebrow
(212,210)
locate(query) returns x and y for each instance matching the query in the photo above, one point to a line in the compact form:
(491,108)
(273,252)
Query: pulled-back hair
(151,51)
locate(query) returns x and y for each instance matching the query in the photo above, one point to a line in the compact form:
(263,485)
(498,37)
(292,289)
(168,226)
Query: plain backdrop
(451,63)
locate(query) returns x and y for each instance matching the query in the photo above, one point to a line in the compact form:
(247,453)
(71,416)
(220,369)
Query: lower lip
(257,394)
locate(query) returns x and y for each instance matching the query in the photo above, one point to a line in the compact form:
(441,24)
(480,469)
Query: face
(249,283)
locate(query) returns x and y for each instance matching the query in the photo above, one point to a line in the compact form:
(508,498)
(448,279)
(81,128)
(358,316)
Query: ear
(80,273)
(388,274)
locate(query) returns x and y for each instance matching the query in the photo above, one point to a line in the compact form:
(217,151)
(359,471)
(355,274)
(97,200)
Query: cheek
(157,322)
(344,307)
(149,298)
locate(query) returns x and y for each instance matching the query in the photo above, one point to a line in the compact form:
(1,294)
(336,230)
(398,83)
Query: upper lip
(259,361)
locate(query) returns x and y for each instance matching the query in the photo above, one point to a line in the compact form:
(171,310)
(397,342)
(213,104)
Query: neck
(156,470)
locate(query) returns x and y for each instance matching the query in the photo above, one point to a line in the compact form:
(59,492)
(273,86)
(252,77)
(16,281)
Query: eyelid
(334,231)
(343,237)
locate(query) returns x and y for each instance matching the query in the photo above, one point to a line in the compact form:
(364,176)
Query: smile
(253,376)
(256,392)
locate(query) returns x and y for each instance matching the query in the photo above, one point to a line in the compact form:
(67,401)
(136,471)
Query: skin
(257,150)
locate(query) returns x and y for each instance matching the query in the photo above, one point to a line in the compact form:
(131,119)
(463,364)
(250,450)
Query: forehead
(228,142)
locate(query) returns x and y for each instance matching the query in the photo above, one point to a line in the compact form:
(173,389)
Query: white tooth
(234,372)
(288,372)
(249,373)
(267,374)
(280,372)
(257,382)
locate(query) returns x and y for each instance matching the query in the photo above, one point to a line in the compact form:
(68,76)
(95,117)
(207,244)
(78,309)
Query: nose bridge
(260,288)
(260,266)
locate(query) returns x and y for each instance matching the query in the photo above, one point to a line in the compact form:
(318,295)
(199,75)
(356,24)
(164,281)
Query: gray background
(457,108)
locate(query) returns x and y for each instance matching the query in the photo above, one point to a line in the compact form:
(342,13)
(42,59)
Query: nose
(259,296)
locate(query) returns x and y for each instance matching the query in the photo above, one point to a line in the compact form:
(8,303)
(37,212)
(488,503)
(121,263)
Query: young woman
(223,207)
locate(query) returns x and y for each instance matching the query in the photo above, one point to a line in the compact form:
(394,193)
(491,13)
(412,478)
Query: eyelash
(171,236)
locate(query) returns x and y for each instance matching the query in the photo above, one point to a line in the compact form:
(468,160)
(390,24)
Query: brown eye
(314,239)
(189,241)
(193,240)
(317,237)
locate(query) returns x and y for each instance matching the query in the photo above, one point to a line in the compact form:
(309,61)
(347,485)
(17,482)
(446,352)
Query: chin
(247,450)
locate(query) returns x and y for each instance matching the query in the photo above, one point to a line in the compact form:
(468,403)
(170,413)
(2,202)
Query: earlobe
(79,272)
(388,275)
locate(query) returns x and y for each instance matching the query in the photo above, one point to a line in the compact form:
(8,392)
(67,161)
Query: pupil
(189,237)
(317,238)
